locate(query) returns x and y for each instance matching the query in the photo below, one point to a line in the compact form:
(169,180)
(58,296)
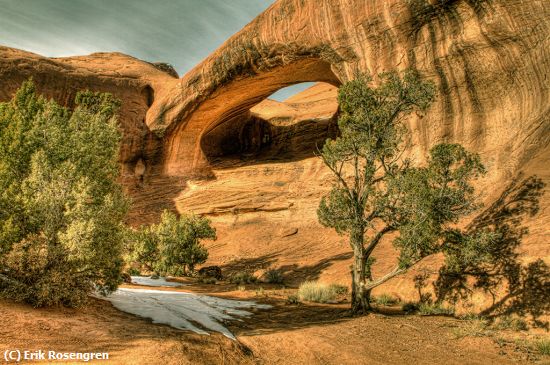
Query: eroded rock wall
(489,59)
(133,81)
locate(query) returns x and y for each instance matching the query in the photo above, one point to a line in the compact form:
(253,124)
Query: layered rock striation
(211,143)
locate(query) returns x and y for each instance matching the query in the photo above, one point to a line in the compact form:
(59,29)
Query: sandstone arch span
(230,104)
(488,58)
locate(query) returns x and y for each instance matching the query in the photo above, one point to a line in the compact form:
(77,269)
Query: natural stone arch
(231,102)
(464,46)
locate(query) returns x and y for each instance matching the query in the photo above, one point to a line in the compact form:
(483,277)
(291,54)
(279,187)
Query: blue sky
(180,32)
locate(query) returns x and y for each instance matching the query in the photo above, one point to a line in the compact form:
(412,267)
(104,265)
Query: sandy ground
(286,334)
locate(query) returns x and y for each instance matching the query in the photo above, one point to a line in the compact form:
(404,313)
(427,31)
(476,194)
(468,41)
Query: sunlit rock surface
(210,143)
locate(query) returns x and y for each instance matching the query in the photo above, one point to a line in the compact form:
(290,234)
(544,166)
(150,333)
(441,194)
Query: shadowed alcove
(287,130)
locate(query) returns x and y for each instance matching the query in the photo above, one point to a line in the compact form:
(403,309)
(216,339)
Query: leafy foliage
(61,210)
(376,191)
(173,245)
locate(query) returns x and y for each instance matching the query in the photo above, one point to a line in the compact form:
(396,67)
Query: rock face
(488,58)
(134,81)
(211,143)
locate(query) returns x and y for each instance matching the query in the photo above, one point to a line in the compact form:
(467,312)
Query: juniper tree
(173,245)
(377,192)
(61,209)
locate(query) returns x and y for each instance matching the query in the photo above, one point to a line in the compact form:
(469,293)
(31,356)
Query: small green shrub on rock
(242,278)
(273,276)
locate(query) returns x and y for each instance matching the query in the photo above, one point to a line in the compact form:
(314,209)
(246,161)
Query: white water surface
(148,281)
(187,311)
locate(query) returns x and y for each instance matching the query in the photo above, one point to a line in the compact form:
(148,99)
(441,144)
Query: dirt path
(316,334)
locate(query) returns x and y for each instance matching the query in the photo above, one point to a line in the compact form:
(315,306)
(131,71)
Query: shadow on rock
(527,285)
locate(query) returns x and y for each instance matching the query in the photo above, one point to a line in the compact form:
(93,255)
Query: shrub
(339,289)
(428,309)
(293,299)
(173,246)
(133,271)
(474,328)
(314,291)
(543,346)
(273,276)
(206,280)
(511,323)
(242,278)
(61,208)
(385,300)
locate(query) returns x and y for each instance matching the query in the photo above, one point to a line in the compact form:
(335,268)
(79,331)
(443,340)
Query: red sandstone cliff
(203,144)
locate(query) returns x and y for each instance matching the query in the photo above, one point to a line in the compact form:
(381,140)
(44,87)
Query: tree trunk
(360,297)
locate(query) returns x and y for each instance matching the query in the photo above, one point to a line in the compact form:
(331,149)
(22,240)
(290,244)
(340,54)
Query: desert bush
(133,271)
(339,289)
(173,246)
(386,300)
(477,327)
(61,208)
(206,280)
(293,299)
(273,276)
(410,307)
(510,323)
(430,309)
(314,291)
(242,277)
(427,309)
(543,346)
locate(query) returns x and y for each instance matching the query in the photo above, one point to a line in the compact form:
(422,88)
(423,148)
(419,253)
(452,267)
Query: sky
(179,32)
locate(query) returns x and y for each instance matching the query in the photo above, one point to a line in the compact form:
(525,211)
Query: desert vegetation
(61,209)
(314,291)
(62,234)
(242,277)
(173,246)
(378,192)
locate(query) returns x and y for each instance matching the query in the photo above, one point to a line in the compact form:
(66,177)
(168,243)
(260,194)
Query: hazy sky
(180,32)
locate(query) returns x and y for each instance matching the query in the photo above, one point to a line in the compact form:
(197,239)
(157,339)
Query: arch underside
(220,125)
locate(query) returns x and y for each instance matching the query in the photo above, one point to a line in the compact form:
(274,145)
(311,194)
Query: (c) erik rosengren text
(16,355)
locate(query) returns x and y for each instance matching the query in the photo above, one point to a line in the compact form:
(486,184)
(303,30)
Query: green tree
(61,209)
(173,245)
(377,192)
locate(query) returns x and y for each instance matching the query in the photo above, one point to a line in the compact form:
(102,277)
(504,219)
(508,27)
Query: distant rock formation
(134,81)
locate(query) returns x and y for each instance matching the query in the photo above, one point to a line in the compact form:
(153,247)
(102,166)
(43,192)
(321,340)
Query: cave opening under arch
(291,129)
